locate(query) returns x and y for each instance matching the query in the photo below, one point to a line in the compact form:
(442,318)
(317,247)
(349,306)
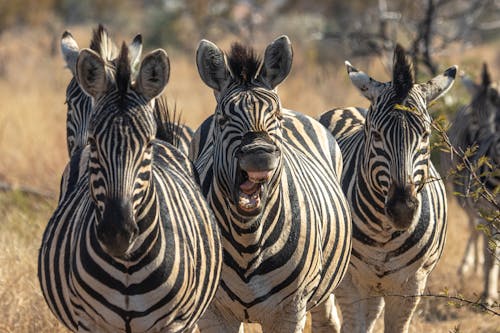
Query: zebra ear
(439,85)
(212,65)
(485,76)
(153,74)
(277,61)
(135,49)
(368,87)
(91,73)
(70,50)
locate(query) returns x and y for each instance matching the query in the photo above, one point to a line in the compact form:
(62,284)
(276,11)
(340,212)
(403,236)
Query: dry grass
(33,152)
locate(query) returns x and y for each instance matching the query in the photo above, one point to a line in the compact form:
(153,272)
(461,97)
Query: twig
(483,306)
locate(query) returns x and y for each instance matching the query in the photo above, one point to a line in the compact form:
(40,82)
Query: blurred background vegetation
(33,154)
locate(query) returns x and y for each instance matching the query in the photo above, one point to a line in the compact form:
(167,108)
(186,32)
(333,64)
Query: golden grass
(33,152)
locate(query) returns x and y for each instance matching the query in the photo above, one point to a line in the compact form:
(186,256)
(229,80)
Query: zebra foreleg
(289,319)
(399,309)
(473,257)
(359,309)
(325,318)
(491,271)
(217,320)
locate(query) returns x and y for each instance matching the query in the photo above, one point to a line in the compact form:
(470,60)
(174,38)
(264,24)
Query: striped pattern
(398,204)
(79,104)
(478,124)
(287,255)
(132,245)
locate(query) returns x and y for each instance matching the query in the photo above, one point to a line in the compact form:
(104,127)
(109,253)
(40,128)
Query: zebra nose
(117,229)
(257,152)
(402,205)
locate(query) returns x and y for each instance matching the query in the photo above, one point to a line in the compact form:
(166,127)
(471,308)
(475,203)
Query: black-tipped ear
(439,85)
(485,76)
(403,76)
(91,73)
(70,50)
(369,87)
(277,61)
(135,49)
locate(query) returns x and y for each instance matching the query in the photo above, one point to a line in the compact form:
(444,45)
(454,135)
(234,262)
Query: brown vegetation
(33,152)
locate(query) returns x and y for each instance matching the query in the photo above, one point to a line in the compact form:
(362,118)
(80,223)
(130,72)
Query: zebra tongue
(248,187)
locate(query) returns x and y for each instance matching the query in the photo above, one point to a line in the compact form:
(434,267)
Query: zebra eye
(425,137)
(376,136)
(222,119)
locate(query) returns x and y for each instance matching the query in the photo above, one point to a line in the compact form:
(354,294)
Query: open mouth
(251,190)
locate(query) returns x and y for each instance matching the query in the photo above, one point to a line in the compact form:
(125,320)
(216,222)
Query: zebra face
(397,156)
(247,121)
(397,131)
(247,140)
(121,133)
(120,171)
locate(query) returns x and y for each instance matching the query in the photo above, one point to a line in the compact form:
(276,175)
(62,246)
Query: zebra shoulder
(297,125)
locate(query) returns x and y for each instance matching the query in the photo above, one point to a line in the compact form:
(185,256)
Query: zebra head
(78,103)
(397,132)
(121,131)
(485,104)
(247,120)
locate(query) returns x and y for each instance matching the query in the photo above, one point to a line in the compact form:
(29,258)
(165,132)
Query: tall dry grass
(33,152)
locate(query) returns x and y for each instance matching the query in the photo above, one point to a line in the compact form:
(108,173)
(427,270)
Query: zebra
(79,104)
(478,124)
(271,177)
(133,246)
(398,203)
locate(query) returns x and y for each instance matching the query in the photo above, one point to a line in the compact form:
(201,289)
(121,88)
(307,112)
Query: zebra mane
(168,123)
(101,43)
(123,71)
(244,63)
(403,76)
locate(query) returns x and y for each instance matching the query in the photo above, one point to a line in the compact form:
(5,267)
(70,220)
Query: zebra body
(271,178)
(478,124)
(133,245)
(398,203)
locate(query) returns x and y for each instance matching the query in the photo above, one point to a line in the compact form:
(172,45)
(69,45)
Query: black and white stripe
(79,104)
(398,202)
(271,177)
(133,245)
(478,125)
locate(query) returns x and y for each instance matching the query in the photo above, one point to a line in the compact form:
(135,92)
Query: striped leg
(325,318)
(473,257)
(359,309)
(218,320)
(491,271)
(292,319)
(399,310)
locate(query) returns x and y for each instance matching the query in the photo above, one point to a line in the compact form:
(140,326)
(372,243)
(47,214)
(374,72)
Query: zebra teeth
(259,177)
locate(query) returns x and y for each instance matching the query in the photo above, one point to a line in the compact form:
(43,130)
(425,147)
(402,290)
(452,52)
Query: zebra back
(133,245)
